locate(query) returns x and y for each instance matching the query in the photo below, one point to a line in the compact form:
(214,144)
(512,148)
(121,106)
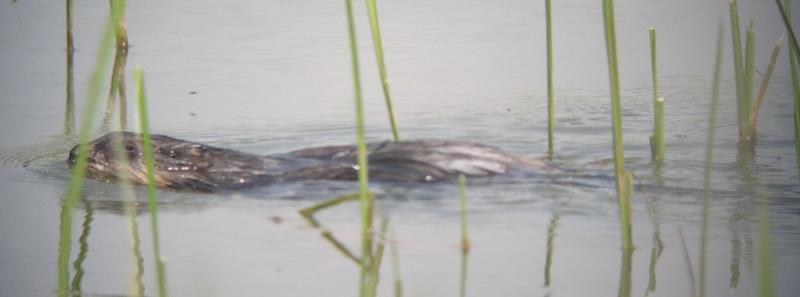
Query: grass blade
(752,121)
(793,60)
(738,66)
(152,203)
(616,124)
(69,110)
(361,148)
(788,24)
(372,11)
(79,168)
(549,79)
(712,119)
(749,71)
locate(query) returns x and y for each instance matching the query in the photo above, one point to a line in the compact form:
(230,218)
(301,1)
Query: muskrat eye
(130,148)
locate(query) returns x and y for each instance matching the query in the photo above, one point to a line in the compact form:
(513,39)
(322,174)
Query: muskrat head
(177,163)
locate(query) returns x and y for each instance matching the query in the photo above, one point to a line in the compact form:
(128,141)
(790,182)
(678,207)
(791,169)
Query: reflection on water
(83,249)
(462,70)
(551,234)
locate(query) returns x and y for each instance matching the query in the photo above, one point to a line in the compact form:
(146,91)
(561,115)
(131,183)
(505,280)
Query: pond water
(273,76)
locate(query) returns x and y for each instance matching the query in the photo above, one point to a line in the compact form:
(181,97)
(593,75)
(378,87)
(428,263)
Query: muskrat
(181,164)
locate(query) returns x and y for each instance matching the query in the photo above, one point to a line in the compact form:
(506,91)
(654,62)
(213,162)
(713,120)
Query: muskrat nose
(73,156)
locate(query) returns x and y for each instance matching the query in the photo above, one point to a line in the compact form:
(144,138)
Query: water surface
(272,76)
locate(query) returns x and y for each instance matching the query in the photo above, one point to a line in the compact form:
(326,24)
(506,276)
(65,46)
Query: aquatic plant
(745,71)
(657,138)
(738,66)
(712,119)
(623,178)
(152,203)
(794,58)
(361,148)
(372,11)
(69,107)
(79,168)
(550,103)
(762,91)
(117,82)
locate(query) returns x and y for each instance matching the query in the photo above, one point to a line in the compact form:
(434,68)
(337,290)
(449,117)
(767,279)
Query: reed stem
(152,203)
(793,60)
(738,67)
(616,121)
(69,110)
(656,143)
(79,168)
(658,137)
(749,72)
(361,148)
(752,121)
(550,101)
(372,11)
(712,119)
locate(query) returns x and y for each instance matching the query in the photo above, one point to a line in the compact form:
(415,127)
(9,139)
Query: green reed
(361,148)
(786,14)
(712,119)
(749,71)
(738,67)
(762,91)
(549,28)
(152,203)
(79,168)
(372,11)
(69,110)
(788,24)
(623,178)
(657,138)
(658,130)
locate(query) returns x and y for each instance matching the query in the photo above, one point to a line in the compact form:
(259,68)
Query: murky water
(272,76)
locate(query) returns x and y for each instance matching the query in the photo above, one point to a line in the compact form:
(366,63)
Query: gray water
(273,76)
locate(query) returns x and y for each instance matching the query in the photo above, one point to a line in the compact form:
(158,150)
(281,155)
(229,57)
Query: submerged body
(182,164)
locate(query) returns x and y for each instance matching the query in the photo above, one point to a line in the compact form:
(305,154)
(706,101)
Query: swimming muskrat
(182,164)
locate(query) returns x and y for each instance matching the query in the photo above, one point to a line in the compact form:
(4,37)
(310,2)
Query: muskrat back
(182,164)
